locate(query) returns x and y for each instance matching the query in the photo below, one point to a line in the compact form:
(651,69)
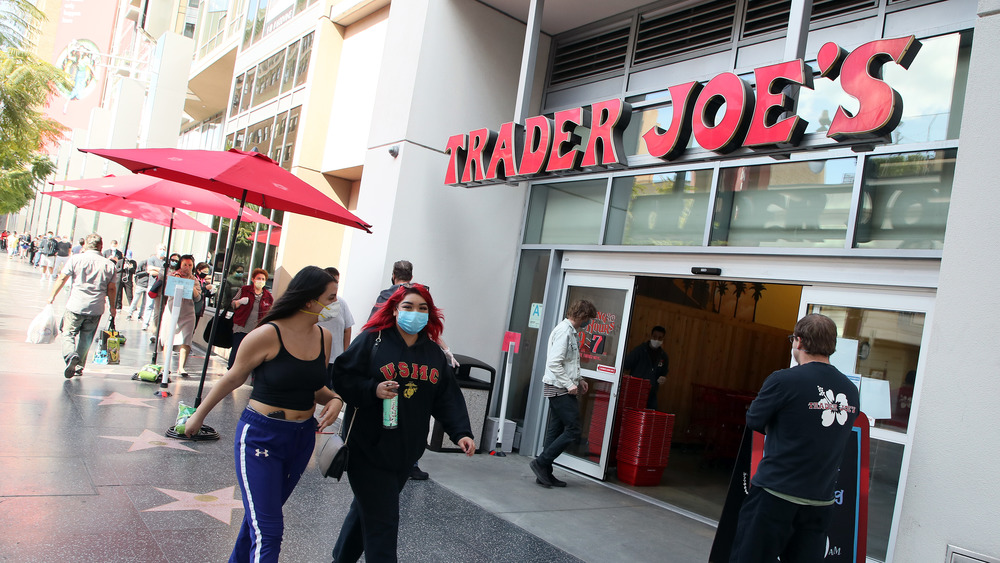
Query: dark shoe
(417,475)
(79,371)
(541,475)
(71,365)
(555,482)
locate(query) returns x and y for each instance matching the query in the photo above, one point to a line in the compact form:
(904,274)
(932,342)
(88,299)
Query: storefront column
(951,494)
(525,83)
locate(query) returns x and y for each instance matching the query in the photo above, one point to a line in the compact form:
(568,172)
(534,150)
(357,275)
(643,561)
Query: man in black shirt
(650,362)
(807,413)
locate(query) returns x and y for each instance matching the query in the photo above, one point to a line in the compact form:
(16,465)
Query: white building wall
(354,97)
(449,67)
(952,495)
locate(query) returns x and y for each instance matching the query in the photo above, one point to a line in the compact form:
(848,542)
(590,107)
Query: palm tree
(758,290)
(16,18)
(722,288)
(739,288)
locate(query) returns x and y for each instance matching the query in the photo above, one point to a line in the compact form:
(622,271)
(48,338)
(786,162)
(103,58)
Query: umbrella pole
(222,293)
(121,271)
(163,293)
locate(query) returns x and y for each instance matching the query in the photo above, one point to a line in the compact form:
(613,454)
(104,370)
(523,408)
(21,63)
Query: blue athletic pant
(372,524)
(271,455)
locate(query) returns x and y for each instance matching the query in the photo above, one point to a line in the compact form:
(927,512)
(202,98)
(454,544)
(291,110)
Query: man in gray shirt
(93,281)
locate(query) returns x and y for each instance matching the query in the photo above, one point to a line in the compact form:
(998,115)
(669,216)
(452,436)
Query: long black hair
(307,285)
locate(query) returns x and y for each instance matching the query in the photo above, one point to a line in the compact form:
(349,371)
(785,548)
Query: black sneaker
(541,475)
(555,482)
(417,475)
(71,365)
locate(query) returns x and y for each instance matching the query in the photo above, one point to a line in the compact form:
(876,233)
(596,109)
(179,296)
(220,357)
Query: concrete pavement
(86,475)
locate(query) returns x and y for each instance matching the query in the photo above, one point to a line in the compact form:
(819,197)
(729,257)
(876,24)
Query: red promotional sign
(757,120)
(510,337)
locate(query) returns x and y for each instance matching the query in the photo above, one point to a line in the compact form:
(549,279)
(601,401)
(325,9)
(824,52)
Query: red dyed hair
(384,318)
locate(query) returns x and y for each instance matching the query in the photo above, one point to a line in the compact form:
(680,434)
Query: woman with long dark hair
(277,431)
(396,355)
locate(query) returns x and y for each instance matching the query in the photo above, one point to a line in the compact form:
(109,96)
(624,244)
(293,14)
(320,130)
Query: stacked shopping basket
(644,446)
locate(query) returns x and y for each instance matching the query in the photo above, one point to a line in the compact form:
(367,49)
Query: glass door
(881,333)
(601,354)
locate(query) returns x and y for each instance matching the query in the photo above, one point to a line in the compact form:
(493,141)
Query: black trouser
(124,296)
(237,339)
(563,428)
(372,524)
(654,388)
(769,527)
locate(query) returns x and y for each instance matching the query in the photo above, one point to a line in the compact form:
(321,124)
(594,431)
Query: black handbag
(333,452)
(224,334)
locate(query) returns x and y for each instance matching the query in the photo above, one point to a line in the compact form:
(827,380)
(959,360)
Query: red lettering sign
(723,115)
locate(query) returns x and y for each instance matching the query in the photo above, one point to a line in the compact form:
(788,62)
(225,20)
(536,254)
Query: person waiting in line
(250,304)
(173,263)
(396,355)
(184,329)
(127,279)
(650,362)
(402,274)
(235,281)
(337,318)
(276,434)
(562,384)
(203,273)
(806,413)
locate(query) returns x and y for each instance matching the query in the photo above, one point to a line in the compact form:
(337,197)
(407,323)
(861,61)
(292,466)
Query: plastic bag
(184,412)
(44,328)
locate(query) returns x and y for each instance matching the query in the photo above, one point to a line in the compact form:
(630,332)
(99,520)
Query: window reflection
(797,204)
(566,213)
(905,199)
(659,209)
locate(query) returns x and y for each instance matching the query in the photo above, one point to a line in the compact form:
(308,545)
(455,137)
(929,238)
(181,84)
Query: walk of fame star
(217,504)
(149,439)
(116,398)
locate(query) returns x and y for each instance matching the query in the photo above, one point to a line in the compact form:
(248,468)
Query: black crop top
(288,382)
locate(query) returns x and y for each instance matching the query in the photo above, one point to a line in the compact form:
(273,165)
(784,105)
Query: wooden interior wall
(709,349)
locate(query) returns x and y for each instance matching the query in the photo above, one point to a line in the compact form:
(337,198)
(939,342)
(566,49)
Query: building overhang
(209,86)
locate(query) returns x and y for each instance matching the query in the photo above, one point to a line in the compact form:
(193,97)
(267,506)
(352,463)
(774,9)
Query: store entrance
(723,338)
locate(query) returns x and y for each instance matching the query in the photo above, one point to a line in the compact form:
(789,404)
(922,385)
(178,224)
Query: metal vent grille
(590,56)
(765,16)
(705,25)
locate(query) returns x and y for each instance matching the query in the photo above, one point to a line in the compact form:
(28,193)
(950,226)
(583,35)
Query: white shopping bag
(44,328)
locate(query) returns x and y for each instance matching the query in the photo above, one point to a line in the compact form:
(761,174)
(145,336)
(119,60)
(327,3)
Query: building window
(248,90)
(268,78)
(304,54)
(905,199)
(566,213)
(234,108)
(668,209)
(798,204)
(291,64)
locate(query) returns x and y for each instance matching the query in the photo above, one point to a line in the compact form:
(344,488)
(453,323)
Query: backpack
(48,247)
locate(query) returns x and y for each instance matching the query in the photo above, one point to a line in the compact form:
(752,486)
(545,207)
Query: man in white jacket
(562,384)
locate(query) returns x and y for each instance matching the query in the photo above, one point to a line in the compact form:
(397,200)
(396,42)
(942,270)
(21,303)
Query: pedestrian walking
(47,249)
(562,384)
(250,304)
(276,433)
(395,358)
(184,329)
(93,282)
(337,318)
(63,249)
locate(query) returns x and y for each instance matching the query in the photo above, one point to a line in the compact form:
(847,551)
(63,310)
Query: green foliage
(26,84)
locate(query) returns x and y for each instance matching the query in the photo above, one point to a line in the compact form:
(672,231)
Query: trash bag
(44,328)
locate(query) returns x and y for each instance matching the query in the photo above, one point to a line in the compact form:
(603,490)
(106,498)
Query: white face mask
(331,311)
(655,343)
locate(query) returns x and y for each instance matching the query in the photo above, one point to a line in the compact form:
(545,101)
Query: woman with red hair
(396,355)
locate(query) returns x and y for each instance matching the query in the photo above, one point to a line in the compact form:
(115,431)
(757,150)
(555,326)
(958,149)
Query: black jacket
(427,387)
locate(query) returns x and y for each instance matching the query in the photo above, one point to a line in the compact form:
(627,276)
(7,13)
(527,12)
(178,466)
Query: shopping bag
(44,328)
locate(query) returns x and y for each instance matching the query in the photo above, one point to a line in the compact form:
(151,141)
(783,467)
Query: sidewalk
(86,475)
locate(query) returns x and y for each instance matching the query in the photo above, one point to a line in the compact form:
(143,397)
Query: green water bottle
(390,412)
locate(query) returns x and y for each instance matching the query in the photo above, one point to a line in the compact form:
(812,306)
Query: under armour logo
(261,452)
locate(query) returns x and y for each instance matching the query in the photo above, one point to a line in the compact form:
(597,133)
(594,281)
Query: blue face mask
(411,322)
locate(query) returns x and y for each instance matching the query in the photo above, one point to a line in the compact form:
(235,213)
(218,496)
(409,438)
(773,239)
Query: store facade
(660,188)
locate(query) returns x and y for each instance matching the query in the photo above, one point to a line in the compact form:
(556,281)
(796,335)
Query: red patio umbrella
(149,212)
(273,239)
(248,176)
(139,187)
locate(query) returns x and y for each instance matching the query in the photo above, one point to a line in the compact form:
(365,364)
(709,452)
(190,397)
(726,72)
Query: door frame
(611,374)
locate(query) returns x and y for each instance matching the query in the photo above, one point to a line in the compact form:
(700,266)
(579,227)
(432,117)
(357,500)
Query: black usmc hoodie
(427,387)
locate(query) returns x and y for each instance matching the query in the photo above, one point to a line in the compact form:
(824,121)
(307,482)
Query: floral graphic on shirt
(834,407)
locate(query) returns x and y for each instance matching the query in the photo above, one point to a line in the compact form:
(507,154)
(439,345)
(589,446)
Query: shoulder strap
(278,330)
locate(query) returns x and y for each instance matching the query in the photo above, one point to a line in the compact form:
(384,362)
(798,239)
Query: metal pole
(163,286)
(221,294)
(528,57)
